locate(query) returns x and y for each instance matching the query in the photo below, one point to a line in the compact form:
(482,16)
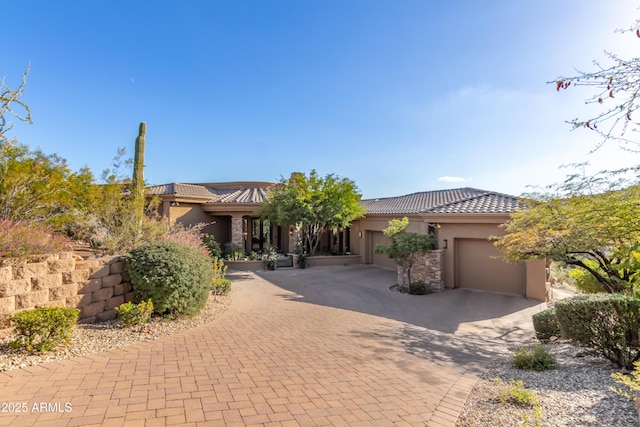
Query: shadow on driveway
(455,326)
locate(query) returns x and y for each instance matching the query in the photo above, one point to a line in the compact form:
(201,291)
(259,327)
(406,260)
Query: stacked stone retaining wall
(95,286)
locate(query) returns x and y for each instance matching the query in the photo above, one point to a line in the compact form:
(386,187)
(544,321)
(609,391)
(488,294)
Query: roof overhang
(230,207)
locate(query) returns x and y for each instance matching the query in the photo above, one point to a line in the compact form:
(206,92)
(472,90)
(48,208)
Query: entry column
(236,230)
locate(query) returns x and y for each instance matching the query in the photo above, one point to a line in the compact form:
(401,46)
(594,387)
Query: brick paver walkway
(269,360)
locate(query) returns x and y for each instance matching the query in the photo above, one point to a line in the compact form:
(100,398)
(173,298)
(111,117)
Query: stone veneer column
(236,230)
(294,237)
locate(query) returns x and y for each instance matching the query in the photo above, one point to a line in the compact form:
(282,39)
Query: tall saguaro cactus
(137,181)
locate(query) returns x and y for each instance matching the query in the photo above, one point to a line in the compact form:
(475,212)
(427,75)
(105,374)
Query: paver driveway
(325,346)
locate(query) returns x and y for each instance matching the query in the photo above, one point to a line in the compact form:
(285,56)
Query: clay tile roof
(184,190)
(242,195)
(455,201)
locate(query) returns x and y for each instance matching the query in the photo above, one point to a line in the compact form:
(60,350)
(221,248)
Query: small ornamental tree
(314,204)
(405,247)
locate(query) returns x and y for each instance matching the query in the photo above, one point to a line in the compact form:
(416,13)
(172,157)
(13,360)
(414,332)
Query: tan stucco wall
(536,275)
(363,246)
(451,227)
(189,214)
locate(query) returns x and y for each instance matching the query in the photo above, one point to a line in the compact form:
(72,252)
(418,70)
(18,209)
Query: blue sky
(400,96)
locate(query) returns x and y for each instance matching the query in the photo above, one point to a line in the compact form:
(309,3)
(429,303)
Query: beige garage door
(382,260)
(477,268)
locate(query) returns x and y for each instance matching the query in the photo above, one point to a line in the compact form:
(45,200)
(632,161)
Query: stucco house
(463,220)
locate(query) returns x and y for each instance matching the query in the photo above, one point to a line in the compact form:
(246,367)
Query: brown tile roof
(242,195)
(211,194)
(179,189)
(455,201)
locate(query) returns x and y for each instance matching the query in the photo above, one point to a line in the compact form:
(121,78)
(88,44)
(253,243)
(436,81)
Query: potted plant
(270,259)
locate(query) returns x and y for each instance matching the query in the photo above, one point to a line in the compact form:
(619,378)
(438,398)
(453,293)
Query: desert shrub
(535,358)
(515,393)
(545,324)
(21,239)
(585,281)
(219,269)
(233,251)
(606,323)
(191,236)
(43,329)
(212,246)
(418,288)
(175,276)
(135,314)
(221,286)
(630,382)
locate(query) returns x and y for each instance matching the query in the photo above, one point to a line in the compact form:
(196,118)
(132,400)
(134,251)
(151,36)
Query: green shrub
(43,329)
(175,276)
(606,323)
(545,324)
(219,269)
(135,314)
(212,246)
(517,394)
(535,358)
(233,252)
(418,288)
(221,286)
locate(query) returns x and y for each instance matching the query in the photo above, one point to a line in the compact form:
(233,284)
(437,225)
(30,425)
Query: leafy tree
(599,233)
(113,225)
(314,204)
(10,104)
(617,89)
(404,246)
(35,186)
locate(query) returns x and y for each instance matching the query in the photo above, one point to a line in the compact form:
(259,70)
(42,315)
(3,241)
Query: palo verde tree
(591,222)
(405,247)
(314,204)
(599,233)
(12,105)
(617,89)
(35,186)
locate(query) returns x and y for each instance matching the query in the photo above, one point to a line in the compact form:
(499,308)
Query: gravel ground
(97,337)
(576,393)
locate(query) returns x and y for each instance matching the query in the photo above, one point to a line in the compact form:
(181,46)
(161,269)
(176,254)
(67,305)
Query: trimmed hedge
(175,276)
(546,325)
(607,323)
(44,328)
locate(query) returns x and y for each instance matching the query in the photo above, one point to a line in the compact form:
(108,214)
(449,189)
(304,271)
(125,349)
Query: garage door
(478,268)
(382,260)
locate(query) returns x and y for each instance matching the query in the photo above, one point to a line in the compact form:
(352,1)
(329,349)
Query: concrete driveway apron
(325,346)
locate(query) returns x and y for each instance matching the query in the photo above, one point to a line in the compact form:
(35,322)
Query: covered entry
(478,266)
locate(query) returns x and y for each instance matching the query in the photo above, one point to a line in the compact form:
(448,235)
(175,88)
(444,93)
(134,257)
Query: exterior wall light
(445,244)
(360,234)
